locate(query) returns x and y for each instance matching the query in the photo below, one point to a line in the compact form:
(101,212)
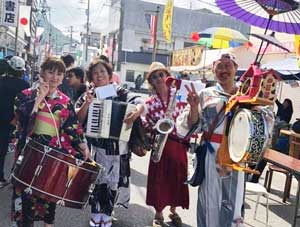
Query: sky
(65,14)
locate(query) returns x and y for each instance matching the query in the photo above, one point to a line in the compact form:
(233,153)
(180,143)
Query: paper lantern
(195,36)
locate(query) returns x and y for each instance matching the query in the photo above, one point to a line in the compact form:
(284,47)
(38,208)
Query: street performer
(47,116)
(112,187)
(221,193)
(166,178)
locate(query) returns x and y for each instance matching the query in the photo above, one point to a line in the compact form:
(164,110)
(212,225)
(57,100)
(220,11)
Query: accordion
(105,120)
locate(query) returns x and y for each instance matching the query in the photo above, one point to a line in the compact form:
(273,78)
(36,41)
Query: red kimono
(166,179)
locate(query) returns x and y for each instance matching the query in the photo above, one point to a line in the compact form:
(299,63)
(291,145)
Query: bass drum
(56,177)
(248,132)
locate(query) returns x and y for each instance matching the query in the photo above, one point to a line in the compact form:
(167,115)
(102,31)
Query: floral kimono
(220,199)
(55,115)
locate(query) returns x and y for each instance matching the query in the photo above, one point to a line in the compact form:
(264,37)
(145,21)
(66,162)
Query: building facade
(127,39)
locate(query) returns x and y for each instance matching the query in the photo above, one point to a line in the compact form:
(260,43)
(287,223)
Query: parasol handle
(261,43)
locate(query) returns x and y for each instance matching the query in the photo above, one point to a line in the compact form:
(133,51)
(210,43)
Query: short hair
(93,64)
(104,58)
(68,60)
(53,63)
(78,73)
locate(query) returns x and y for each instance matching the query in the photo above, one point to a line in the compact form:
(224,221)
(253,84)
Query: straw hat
(155,66)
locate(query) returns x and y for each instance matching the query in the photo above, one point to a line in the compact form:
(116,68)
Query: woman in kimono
(47,116)
(112,187)
(166,179)
(221,194)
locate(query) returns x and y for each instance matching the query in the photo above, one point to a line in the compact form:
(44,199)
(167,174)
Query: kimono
(220,199)
(113,185)
(166,179)
(43,126)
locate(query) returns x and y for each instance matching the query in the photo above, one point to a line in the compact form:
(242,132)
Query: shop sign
(10,13)
(190,56)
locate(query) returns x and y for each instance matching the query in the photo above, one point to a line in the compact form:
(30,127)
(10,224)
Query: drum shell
(51,182)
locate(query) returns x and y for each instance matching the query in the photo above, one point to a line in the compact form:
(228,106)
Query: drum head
(239,134)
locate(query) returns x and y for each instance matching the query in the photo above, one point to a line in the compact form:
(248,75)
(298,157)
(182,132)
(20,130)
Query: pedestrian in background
(75,79)
(69,62)
(115,78)
(10,85)
(138,82)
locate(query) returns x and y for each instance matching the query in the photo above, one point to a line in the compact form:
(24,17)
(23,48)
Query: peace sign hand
(192,98)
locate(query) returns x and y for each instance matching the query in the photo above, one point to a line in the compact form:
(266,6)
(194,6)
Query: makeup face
(52,77)
(100,76)
(157,79)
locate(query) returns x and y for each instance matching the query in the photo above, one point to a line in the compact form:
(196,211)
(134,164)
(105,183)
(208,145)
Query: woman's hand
(43,89)
(131,117)
(85,151)
(88,98)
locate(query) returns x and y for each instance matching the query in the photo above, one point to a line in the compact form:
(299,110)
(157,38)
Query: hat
(226,55)
(17,63)
(155,66)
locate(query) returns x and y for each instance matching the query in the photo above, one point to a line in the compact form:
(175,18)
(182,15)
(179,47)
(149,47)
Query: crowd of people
(54,112)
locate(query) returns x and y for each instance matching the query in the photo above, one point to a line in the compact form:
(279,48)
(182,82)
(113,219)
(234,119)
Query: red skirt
(166,179)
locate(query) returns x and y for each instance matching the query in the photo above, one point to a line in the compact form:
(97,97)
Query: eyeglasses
(157,75)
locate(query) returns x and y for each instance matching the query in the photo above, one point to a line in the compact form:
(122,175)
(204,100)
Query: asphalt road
(138,214)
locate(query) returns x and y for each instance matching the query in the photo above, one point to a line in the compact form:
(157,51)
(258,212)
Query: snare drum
(248,132)
(56,177)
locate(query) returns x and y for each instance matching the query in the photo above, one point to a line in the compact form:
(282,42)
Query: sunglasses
(157,75)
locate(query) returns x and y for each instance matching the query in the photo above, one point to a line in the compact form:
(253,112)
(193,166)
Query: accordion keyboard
(105,120)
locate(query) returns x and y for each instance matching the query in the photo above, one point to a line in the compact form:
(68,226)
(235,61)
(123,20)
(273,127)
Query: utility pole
(17,37)
(71,39)
(87,31)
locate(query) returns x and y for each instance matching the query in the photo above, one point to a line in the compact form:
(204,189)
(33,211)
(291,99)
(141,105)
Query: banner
(297,49)
(167,21)
(152,23)
(24,19)
(10,13)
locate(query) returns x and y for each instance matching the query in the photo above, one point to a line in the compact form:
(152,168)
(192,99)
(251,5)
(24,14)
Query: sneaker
(3,183)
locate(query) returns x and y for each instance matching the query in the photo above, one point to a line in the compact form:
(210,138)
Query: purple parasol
(277,15)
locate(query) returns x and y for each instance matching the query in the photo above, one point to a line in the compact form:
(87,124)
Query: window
(130,75)
(188,44)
